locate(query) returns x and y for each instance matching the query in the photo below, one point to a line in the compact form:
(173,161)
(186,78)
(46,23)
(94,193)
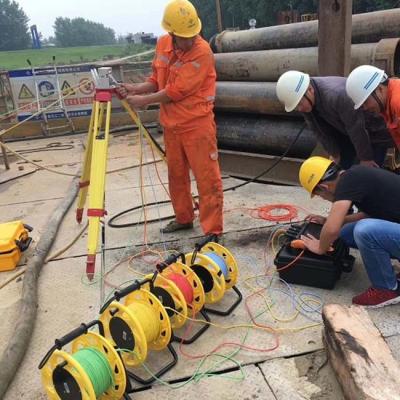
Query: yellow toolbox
(14,239)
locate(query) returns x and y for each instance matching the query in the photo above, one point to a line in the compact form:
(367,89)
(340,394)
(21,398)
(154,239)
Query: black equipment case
(321,271)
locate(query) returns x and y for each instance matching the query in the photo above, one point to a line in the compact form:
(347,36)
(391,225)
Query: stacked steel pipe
(249,116)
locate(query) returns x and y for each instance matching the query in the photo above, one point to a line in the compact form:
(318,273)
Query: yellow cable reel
(63,374)
(211,276)
(125,331)
(158,333)
(230,262)
(170,296)
(199,297)
(176,296)
(140,324)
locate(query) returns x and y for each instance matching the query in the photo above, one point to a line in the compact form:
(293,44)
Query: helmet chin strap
(379,101)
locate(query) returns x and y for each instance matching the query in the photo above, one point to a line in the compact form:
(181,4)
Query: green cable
(97,367)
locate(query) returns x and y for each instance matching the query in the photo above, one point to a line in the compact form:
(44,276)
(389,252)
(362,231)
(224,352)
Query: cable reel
(217,270)
(210,274)
(171,297)
(178,288)
(92,370)
(121,326)
(138,325)
(225,260)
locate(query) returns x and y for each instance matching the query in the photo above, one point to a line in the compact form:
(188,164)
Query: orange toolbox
(14,239)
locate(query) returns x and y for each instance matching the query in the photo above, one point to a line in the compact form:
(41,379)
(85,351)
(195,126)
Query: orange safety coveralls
(190,130)
(392,113)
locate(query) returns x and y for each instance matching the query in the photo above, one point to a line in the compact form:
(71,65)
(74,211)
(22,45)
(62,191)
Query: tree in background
(362,6)
(236,13)
(81,32)
(14,33)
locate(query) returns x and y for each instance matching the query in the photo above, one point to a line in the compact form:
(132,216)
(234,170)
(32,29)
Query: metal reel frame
(64,359)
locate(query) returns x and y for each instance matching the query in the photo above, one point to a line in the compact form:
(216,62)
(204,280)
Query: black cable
(56,146)
(279,159)
(274,164)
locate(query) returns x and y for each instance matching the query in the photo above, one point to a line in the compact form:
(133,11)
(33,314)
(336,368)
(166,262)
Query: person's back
(331,102)
(329,112)
(374,191)
(334,120)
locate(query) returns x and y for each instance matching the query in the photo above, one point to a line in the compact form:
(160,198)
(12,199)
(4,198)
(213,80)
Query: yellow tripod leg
(97,183)
(139,124)
(84,181)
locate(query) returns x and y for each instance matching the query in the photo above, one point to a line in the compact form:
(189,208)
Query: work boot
(174,226)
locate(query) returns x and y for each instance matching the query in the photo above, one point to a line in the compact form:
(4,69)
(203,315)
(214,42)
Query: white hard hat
(362,81)
(291,87)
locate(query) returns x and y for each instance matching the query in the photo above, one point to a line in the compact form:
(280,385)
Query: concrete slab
(15,173)
(304,377)
(66,300)
(394,344)
(63,304)
(226,386)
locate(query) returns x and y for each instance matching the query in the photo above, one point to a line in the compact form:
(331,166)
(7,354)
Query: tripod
(93,177)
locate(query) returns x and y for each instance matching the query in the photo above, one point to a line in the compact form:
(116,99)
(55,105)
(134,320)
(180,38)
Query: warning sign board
(46,89)
(25,87)
(25,93)
(86,86)
(67,89)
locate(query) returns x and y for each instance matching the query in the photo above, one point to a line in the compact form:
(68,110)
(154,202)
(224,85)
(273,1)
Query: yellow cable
(240,326)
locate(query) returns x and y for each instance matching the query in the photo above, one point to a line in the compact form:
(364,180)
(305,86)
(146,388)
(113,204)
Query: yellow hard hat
(181,19)
(312,171)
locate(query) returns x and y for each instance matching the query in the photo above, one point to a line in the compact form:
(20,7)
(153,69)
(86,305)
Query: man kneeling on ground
(374,230)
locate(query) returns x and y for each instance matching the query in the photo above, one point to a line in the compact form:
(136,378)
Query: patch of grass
(67,55)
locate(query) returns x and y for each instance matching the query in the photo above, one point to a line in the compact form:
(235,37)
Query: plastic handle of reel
(172,258)
(47,356)
(69,337)
(204,241)
(119,294)
(129,289)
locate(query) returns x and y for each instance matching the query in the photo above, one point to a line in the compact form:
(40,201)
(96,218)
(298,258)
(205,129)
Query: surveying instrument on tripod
(93,177)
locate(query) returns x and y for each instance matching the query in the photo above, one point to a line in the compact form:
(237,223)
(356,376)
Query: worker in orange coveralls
(370,88)
(183,82)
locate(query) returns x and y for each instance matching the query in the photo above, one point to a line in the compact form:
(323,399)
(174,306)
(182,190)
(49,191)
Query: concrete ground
(289,363)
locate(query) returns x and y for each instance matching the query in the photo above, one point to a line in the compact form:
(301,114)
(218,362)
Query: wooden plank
(362,360)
